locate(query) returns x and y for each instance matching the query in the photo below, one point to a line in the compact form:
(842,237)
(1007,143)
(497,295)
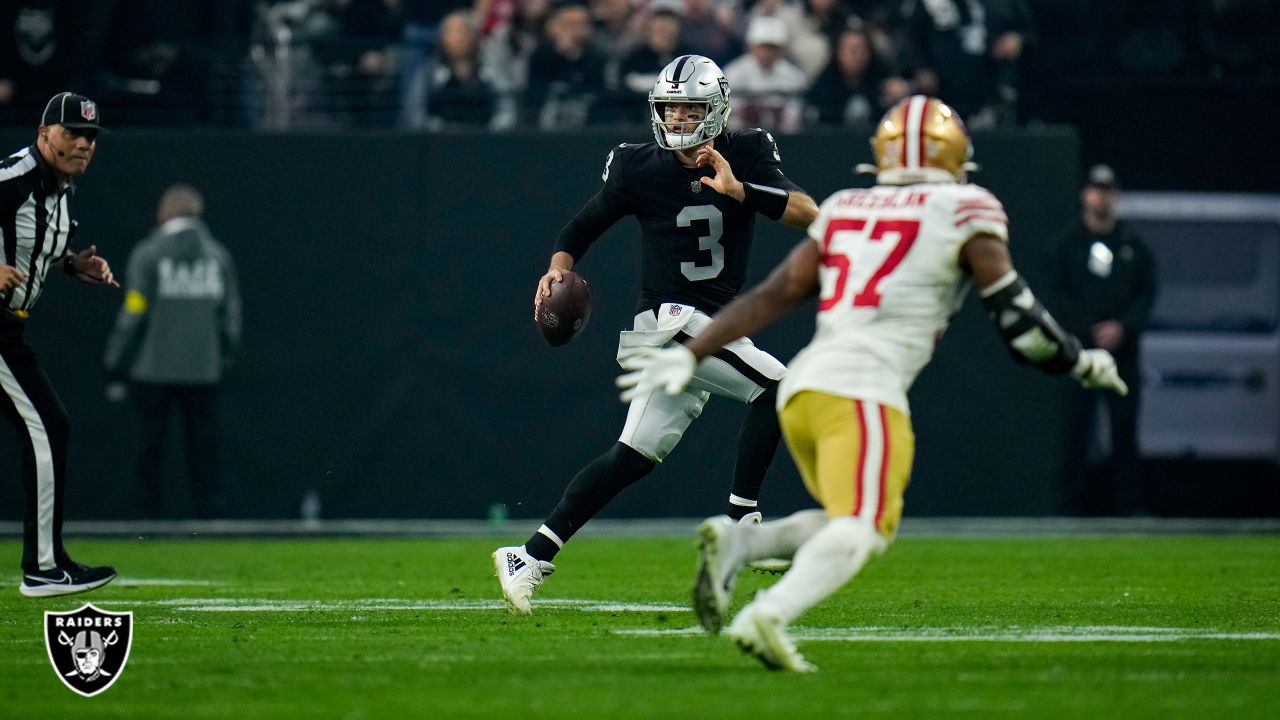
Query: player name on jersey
(881,200)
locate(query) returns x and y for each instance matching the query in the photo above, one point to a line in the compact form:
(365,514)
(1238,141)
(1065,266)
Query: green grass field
(1126,627)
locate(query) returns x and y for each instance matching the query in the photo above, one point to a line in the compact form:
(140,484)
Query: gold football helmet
(921,139)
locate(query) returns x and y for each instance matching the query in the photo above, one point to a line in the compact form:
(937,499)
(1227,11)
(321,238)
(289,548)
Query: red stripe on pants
(884,461)
(862,458)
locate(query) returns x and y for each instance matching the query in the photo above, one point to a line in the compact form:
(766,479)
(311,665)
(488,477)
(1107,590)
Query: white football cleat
(767,566)
(718,565)
(519,574)
(761,633)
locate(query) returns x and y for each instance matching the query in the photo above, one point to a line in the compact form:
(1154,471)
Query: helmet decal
(680,71)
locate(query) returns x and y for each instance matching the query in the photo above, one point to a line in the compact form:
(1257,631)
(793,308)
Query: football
(565,313)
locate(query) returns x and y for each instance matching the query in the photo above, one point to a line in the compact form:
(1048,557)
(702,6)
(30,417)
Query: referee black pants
(29,402)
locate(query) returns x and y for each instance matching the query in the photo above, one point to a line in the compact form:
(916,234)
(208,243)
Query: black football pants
(30,404)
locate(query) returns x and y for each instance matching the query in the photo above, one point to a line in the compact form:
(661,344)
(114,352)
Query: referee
(36,229)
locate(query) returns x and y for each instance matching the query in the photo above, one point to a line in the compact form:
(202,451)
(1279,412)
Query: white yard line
(162,582)
(1058,633)
(1035,634)
(190,604)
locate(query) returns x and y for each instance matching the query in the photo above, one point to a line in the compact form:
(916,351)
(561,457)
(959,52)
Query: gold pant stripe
(855,456)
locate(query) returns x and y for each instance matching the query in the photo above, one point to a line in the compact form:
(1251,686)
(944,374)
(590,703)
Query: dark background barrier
(390,359)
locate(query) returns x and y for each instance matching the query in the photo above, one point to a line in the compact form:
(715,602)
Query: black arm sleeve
(604,209)
(598,215)
(1033,336)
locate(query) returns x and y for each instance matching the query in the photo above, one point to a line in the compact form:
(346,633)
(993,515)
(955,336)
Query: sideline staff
(176,334)
(1107,279)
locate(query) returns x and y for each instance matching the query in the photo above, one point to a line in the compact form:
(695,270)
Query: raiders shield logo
(88,647)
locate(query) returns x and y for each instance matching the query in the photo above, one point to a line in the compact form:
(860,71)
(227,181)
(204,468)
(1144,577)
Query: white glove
(1097,369)
(669,369)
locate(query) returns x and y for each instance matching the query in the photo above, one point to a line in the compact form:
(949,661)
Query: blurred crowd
(563,64)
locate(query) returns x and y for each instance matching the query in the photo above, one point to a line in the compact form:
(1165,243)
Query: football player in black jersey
(696,192)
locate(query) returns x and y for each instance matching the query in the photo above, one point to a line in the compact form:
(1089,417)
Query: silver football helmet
(690,79)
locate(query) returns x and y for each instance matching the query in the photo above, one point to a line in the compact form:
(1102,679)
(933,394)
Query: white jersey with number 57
(891,279)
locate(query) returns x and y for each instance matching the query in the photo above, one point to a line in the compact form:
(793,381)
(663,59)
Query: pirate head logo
(88,647)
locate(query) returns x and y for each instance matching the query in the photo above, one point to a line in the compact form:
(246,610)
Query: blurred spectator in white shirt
(766,87)
(811,29)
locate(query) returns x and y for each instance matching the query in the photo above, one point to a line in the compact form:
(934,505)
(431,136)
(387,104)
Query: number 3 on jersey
(879,255)
(709,243)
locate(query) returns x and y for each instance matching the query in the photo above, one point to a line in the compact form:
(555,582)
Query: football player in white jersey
(890,265)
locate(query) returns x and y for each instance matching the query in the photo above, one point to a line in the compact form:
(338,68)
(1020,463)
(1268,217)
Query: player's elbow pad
(1033,336)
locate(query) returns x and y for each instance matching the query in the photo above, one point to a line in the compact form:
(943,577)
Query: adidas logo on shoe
(514,563)
(519,576)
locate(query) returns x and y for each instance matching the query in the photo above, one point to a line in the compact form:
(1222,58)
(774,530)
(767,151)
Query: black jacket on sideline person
(1094,289)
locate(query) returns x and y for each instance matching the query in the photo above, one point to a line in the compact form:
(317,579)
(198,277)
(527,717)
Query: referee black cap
(73,111)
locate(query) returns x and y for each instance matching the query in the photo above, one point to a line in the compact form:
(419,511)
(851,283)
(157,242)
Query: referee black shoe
(66,579)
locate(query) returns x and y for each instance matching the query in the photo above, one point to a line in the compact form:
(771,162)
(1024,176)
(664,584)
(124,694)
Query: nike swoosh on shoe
(64,580)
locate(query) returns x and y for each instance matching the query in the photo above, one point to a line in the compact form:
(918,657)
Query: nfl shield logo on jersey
(88,647)
(696,186)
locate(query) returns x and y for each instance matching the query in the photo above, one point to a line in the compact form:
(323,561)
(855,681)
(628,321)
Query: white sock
(781,538)
(822,565)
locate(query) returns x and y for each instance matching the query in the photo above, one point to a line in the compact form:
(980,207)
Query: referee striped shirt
(35,225)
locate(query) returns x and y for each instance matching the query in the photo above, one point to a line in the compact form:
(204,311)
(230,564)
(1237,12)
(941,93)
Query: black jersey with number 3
(695,242)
